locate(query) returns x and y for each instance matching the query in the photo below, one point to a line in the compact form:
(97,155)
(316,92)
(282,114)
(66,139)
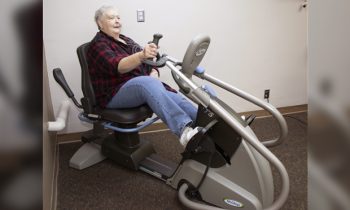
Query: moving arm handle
(160,62)
(156,38)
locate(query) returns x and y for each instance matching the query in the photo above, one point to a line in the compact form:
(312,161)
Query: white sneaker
(187,134)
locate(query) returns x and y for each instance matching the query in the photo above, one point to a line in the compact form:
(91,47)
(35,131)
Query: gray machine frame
(254,149)
(246,183)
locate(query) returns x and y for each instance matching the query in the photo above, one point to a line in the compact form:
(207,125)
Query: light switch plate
(140,15)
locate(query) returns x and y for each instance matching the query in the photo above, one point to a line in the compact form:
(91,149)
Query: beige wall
(49,148)
(255,45)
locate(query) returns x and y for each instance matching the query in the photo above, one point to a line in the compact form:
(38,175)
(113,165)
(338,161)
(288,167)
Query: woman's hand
(149,51)
(132,61)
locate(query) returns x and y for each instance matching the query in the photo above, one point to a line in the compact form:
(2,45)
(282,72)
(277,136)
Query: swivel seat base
(129,157)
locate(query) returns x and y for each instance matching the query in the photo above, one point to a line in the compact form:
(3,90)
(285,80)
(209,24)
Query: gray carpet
(109,186)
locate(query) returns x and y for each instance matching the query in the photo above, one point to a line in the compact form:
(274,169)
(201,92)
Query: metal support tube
(271,109)
(253,141)
(189,82)
(277,204)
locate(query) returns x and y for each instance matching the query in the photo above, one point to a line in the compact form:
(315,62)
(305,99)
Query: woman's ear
(99,24)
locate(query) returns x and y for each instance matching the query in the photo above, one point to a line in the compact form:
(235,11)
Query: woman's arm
(132,61)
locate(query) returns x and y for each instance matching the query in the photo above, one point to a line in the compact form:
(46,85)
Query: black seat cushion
(126,116)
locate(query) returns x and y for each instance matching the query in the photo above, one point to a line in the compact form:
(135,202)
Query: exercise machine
(224,166)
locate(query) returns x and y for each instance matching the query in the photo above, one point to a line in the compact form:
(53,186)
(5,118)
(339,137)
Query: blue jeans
(172,108)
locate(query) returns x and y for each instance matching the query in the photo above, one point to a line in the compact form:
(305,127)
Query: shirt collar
(112,39)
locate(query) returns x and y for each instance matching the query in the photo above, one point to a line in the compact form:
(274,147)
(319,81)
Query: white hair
(99,13)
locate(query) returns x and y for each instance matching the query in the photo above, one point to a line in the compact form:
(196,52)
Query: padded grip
(156,38)
(59,77)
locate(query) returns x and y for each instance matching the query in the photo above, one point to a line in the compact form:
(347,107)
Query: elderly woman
(121,80)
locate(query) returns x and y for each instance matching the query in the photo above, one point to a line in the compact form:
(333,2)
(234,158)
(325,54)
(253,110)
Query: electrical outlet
(267,94)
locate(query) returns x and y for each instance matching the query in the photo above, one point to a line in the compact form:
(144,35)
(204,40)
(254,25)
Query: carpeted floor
(109,186)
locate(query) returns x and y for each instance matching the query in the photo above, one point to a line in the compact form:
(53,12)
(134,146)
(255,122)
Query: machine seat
(126,116)
(120,116)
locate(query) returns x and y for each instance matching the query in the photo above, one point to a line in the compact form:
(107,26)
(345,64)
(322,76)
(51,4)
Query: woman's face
(110,23)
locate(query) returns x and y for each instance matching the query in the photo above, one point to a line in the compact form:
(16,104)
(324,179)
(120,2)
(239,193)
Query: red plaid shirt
(103,57)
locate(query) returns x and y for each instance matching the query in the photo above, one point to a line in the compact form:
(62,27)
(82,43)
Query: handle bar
(61,80)
(160,61)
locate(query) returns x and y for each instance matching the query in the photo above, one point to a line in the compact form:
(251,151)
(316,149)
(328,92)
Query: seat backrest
(89,100)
